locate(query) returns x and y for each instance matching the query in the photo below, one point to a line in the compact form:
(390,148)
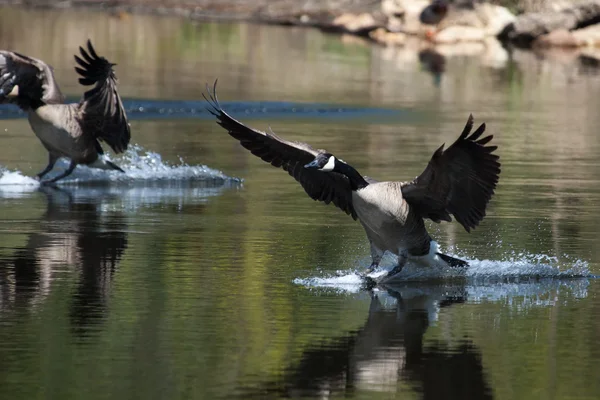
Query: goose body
(458,181)
(68,130)
(390,223)
(59,131)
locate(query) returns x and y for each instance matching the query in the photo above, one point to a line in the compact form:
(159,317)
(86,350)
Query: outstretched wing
(329,187)
(102,111)
(458,181)
(26,81)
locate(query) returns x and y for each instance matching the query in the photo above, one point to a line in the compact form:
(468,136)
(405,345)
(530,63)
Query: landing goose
(68,130)
(458,181)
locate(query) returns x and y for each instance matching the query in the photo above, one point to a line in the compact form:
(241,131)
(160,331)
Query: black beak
(312,165)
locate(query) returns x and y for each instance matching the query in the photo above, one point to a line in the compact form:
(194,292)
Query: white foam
(510,274)
(13,184)
(141,169)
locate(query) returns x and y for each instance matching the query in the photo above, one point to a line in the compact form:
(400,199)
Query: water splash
(13,184)
(142,168)
(511,274)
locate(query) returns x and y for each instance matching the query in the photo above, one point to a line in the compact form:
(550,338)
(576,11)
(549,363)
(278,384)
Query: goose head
(323,162)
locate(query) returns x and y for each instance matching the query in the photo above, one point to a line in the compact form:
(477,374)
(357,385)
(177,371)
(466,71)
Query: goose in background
(68,130)
(458,181)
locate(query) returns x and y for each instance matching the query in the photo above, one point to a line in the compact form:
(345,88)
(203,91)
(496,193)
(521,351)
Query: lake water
(204,273)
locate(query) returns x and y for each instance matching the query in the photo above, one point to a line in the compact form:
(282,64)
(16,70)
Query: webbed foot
(396,270)
(402,259)
(371,268)
(368,282)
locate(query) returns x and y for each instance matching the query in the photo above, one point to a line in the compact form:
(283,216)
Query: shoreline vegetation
(541,25)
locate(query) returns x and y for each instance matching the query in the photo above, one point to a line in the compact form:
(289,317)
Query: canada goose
(68,130)
(459,181)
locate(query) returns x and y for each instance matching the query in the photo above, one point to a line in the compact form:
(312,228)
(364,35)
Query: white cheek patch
(14,92)
(330,165)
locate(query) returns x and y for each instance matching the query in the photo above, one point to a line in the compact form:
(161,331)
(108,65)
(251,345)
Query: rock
(527,27)
(383,36)
(590,55)
(407,16)
(434,13)
(461,17)
(495,18)
(355,22)
(589,36)
(402,8)
(404,15)
(529,6)
(558,38)
(456,34)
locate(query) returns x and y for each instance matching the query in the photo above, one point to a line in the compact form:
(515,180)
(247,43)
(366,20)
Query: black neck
(356,179)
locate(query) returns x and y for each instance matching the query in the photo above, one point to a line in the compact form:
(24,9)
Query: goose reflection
(74,234)
(434,63)
(387,350)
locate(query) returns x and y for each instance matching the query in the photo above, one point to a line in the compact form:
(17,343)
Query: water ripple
(157,109)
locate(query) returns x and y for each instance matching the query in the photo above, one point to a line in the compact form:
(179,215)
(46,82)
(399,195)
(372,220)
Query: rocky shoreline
(567,24)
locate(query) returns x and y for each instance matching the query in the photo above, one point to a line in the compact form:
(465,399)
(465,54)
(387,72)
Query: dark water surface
(177,282)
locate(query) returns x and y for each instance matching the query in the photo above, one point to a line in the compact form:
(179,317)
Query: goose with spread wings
(458,181)
(68,130)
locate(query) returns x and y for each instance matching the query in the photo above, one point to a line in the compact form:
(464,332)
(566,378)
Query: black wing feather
(102,109)
(34,78)
(459,181)
(328,187)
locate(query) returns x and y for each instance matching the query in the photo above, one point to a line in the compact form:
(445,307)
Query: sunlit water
(203,273)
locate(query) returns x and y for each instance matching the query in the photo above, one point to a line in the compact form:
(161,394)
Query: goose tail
(453,262)
(102,163)
(114,166)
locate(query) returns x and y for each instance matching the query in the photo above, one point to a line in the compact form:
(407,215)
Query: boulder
(557,38)
(355,22)
(589,36)
(386,37)
(461,17)
(402,8)
(528,27)
(403,15)
(495,18)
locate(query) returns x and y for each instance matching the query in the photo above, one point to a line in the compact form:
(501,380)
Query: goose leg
(376,256)
(402,259)
(64,174)
(51,161)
